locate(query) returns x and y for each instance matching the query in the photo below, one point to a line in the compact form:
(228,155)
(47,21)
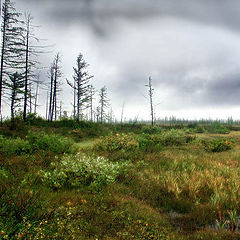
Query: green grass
(177,190)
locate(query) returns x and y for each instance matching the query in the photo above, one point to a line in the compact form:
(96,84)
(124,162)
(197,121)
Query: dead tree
(55,77)
(31,51)
(92,91)
(38,82)
(123,106)
(150,93)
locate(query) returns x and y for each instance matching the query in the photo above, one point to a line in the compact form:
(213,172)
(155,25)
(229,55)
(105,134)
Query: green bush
(81,170)
(11,146)
(176,138)
(151,130)
(200,129)
(218,145)
(156,142)
(130,143)
(218,128)
(53,142)
(117,142)
(150,143)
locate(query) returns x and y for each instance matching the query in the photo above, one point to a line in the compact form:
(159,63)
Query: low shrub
(17,146)
(176,138)
(130,143)
(53,142)
(200,129)
(218,129)
(81,170)
(151,130)
(150,143)
(218,145)
(117,142)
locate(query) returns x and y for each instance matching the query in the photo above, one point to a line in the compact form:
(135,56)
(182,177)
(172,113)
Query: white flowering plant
(82,170)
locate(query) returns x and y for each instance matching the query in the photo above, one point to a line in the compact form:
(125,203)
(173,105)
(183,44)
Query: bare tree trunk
(2,61)
(30,97)
(36,98)
(91,103)
(47,107)
(55,110)
(122,112)
(51,97)
(74,101)
(13,97)
(151,99)
(78,102)
(53,107)
(26,70)
(60,110)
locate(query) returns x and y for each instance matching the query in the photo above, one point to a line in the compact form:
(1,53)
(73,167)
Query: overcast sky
(191,48)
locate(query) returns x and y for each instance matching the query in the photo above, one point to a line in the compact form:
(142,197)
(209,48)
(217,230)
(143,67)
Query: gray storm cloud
(217,12)
(190,47)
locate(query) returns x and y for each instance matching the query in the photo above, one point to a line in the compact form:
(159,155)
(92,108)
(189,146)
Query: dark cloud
(224,91)
(217,12)
(190,47)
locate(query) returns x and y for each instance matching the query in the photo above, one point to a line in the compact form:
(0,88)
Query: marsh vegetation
(69,180)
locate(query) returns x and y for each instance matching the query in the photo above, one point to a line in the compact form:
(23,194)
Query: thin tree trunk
(78,102)
(36,98)
(101,113)
(55,110)
(13,103)
(51,98)
(60,110)
(91,107)
(26,71)
(151,100)
(74,101)
(30,97)
(122,112)
(53,106)
(47,107)
(2,61)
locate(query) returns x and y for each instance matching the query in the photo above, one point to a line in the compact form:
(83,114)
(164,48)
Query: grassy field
(91,181)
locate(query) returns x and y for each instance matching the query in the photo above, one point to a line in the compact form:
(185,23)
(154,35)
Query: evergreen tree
(80,86)
(16,85)
(104,103)
(11,48)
